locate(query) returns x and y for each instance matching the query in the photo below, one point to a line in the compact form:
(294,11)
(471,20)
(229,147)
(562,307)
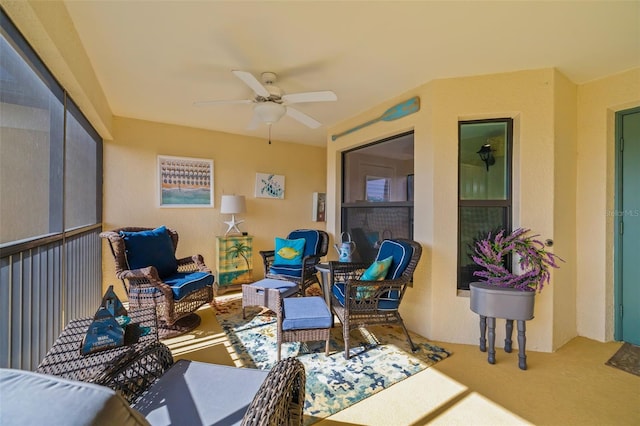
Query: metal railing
(43,284)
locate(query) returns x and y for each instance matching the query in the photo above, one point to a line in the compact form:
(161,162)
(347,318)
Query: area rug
(380,357)
(627,358)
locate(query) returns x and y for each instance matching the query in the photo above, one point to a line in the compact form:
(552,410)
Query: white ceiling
(155,58)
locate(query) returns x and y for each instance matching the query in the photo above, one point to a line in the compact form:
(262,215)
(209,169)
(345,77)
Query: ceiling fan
(270,103)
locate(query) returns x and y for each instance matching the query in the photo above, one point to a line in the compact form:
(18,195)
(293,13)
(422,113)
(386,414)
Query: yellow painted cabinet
(235,262)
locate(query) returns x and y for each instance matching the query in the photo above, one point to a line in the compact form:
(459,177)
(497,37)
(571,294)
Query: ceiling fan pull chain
(269,134)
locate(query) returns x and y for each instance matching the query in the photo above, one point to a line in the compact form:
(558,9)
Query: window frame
(506,203)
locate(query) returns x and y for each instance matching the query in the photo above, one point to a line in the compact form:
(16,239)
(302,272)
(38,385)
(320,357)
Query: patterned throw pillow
(376,272)
(289,252)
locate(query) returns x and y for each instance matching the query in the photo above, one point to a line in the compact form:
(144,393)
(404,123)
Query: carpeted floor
(627,358)
(380,357)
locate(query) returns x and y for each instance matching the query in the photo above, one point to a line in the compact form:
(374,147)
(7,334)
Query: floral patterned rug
(380,357)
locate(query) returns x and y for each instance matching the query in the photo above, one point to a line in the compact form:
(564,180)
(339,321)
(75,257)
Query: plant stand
(493,302)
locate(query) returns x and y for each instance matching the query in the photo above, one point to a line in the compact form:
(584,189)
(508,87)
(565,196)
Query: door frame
(618,207)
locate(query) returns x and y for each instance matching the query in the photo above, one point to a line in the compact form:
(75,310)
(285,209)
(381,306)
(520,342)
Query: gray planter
(497,302)
(492,302)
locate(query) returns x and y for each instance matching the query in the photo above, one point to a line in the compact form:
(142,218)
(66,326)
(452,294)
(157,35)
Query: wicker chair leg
(406,333)
(345,336)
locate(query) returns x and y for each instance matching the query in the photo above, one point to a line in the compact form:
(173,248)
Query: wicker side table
(130,368)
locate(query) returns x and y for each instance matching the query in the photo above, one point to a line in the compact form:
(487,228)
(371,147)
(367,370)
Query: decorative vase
(491,302)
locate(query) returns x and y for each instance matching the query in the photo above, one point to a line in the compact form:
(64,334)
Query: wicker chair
(149,287)
(316,247)
(280,399)
(359,303)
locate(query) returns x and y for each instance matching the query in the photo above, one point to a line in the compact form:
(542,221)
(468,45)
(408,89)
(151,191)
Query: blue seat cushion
(312,240)
(401,253)
(183,283)
(289,270)
(388,302)
(304,313)
(151,248)
(286,288)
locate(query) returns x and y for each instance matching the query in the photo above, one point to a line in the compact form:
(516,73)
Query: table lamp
(233,205)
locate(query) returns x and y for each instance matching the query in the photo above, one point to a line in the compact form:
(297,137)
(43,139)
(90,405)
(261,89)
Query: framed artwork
(319,206)
(269,186)
(377,188)
(185,182)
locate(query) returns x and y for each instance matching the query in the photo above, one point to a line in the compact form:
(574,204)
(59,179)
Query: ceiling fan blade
(220,102)
(303,118)
(255,122)
(323,96)
(252,82)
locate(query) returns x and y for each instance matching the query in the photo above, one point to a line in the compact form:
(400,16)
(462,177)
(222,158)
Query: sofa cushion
(151,248)
(289,252)
(199,393)
(304,313)
(29,398)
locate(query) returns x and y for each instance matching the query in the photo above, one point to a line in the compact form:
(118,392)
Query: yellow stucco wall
(564,164)
(131,196)
(598,101)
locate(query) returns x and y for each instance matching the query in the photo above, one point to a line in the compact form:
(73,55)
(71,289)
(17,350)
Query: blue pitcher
(346,248)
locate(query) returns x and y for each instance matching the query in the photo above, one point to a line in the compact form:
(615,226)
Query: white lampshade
(269,112)
(233,204)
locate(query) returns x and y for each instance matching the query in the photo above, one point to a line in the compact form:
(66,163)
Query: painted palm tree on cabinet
(234,262)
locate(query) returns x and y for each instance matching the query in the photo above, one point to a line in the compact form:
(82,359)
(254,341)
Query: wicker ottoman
(255,294)
(302,319)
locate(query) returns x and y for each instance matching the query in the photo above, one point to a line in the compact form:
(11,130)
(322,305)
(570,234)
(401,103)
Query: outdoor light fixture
(486,155)
(233,205)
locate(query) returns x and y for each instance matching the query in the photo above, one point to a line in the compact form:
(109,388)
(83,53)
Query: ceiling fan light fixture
(269,112)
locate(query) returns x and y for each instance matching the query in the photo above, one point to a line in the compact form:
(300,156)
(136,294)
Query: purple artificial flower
(533,259)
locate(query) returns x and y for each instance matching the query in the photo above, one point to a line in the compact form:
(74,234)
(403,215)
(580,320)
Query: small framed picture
(269,186)
(319,206)
(185,182)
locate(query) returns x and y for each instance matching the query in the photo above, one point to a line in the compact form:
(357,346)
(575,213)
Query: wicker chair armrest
(192,263)
(150,274)
(280,398)
(268,256)
(363,295)
(135,370)
(340,272)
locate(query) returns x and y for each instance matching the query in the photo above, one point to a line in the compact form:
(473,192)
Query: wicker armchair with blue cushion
(364,295)
(295,257)
(145,259)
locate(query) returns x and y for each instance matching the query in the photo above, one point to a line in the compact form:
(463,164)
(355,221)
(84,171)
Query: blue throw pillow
(378,270)
(151,248)
(289,252)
